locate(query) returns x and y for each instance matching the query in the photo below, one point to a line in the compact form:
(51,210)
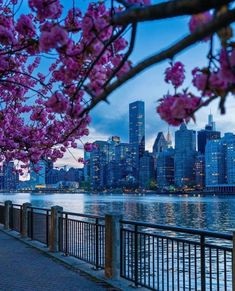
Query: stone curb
(77,265)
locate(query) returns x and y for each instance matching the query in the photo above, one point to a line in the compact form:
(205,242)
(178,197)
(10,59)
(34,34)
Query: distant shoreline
(178,193)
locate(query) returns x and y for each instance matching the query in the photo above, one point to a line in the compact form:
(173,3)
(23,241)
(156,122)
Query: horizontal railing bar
(188,241)
(177,239)
(82,221)
(39,208)
(223,248)
(19,205)
(83,215)
(180,229)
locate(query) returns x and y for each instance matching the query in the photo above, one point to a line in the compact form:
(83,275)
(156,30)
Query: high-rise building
(98,162)
(185,152)
(137,133)
(200,171)
(165,168)
(209,133)
(9,178)
(215,164)
(124,165)
(160,144)
(220,161)
(146,170)
(49,170)
(87,166)
(38,174)
(230,161)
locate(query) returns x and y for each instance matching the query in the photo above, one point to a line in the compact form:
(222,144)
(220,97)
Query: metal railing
(2,213)
(15,219)
(161,257)
(39,224)
(83,236)
(157,257)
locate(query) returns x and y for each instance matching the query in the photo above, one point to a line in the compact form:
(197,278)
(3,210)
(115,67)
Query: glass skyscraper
(185,153)
(209,133)
(220,161)
(137,133)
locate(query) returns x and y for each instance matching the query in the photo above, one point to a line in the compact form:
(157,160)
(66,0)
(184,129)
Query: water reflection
(215,213)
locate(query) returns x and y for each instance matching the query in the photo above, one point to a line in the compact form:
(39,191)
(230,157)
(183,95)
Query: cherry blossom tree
(56,65)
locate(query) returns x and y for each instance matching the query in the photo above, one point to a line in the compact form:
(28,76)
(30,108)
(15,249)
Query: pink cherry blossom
(89,147)
(55,37)
(175,74)
(25,26)
(176,109)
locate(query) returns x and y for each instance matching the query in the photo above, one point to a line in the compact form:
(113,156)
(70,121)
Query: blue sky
(112,119)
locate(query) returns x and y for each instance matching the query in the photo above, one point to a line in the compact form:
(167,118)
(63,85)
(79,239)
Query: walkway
(25,268)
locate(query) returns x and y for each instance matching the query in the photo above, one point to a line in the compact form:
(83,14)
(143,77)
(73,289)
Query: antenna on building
(211,123)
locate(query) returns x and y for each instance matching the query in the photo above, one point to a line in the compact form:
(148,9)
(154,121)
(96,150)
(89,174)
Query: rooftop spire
(168,137)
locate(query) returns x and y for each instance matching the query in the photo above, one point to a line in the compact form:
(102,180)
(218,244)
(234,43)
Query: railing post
(66,235)
(56,213)
(8,205)
(203,266)
(47,228)
(136,255)
(112,245)
(25,214)
(233,263)
(97,243)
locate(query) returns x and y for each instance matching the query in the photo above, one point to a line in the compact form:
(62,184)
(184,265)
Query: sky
(149,86)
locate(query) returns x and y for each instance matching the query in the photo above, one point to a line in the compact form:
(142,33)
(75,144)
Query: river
(208,212)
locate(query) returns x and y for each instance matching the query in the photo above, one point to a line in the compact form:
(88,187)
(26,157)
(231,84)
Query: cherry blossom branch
(21,85)
(216,24)
(166,10)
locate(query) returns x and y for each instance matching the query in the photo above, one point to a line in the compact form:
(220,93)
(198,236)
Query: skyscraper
(160,144)
(209,133)
(146,171)
(38,178)
(220,161)
(137,133)
(98,161)
(185,153)
(215,166)
(9,178)
(200,171)
(165,168)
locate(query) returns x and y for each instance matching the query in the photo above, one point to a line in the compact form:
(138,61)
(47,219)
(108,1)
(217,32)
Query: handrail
(207,233)
(214,234)
(40,208)
(83,215)
(14,204)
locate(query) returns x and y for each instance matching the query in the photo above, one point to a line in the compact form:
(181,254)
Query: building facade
(137,133)
(165,168)
(209,133)
(185,154)
(146,171)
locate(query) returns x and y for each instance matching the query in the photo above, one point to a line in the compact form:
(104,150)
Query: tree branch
(216,24)
(166,10)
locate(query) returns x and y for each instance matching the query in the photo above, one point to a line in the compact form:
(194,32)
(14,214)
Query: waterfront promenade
(24,268)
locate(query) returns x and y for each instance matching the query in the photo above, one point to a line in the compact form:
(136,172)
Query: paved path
(25,268)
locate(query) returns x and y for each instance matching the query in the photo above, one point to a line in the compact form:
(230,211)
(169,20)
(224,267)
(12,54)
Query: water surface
(209,212)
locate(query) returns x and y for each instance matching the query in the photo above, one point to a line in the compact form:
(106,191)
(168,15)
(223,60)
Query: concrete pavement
(24,268)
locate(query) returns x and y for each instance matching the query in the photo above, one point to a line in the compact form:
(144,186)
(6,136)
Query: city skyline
(71,161)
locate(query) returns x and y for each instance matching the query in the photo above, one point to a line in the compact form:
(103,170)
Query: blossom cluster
(215,80)
(49,59)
